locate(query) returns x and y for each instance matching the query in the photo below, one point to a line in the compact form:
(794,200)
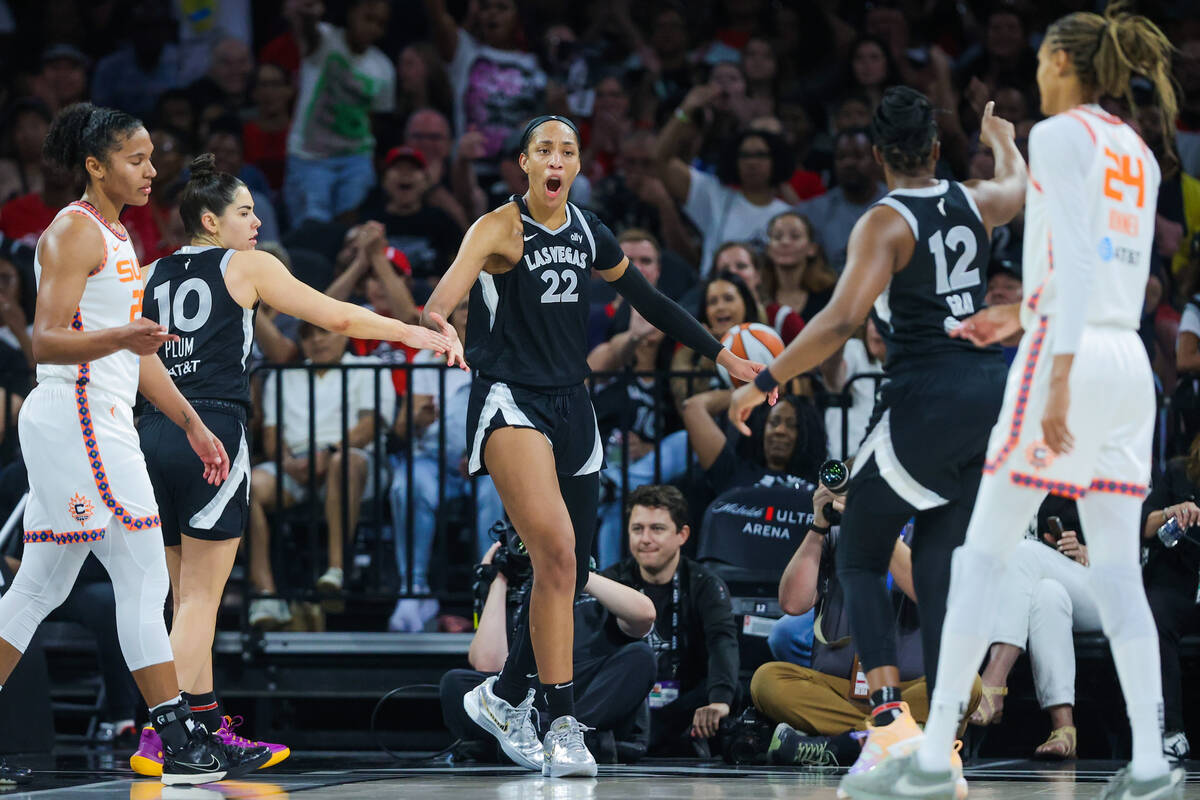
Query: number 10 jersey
(186,292)
(528,326)
(945,280)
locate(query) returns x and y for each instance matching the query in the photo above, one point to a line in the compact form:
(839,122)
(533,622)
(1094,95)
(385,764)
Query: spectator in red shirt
(26,216)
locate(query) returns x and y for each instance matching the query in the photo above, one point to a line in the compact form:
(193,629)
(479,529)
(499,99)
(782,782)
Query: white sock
(176,699)
(1137,666)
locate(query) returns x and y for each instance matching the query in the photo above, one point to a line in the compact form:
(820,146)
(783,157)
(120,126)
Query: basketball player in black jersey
(920,257)
(206,294)
(530,423)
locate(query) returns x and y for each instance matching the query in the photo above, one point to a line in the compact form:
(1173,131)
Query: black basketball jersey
(945,280)
(528,326)
(186,293)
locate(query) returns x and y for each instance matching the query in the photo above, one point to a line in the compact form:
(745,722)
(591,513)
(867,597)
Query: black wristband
(765,382)
(823,530)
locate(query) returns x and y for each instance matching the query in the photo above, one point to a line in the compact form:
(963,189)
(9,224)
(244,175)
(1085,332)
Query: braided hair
(904,131)
(1107,51)
(83,130)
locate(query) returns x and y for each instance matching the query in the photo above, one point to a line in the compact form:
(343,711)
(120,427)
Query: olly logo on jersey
(557,255)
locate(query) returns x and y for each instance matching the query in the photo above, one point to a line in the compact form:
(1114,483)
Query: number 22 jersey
(528,326)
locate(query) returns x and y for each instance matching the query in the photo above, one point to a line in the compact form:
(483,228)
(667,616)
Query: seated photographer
(694,636)
(823,710)
(614,667)
(786,446)
(1045,597)
(1171,575)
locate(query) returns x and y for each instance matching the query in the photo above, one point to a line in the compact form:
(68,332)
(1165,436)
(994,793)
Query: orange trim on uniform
(130,522)
(1107,486)
(117,229)
(1033,180)
(1082,122)
(1101,115)
(1061,488)
(70,537)
(1018,419)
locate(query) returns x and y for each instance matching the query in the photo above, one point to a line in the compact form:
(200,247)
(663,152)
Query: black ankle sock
(206,710)
(560,699)
(520,668)
(885,705)
(173,723)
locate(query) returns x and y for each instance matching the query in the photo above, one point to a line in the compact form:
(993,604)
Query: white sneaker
(1176,747)
(269,613)
(513,727)
(1122,786)
(331,581)
(412,615)
(565,754)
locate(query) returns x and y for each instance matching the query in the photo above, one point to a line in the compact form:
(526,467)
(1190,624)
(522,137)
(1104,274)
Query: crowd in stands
(725,142)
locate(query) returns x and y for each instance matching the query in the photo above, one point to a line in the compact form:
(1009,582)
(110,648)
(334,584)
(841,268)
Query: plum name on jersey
(181,349)
(558,254)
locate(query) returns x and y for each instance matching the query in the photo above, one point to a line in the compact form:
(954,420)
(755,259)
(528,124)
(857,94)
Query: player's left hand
(743,370)
(454,348)
(707,719)
(744,400)
(212,453)
(1054,419)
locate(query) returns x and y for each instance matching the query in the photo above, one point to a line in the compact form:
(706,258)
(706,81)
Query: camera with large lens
(834,475)
(512,559)
(745,739)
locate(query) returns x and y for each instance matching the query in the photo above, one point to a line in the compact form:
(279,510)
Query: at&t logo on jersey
(80,508)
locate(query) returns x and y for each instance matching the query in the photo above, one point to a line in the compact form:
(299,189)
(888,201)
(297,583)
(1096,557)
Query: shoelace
(230,724)
(524,714)
(815,754)
(575,733)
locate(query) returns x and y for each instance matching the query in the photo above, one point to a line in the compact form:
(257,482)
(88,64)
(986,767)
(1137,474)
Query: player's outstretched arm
(665,314)
(254,274)
(493,242)
(991,325)
(71,248)
(1001,198)
(156,385)
(881,241)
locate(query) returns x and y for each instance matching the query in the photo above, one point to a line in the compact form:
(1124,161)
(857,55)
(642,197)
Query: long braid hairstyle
(1107,51)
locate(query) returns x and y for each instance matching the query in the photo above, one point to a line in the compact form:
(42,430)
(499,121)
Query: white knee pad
(47,574)
(137,564)
(1121,600)
(975,576)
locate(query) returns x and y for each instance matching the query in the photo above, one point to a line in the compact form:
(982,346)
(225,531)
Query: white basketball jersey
(112,297)
(1090,204)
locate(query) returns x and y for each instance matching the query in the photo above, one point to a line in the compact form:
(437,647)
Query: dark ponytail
(82,130)
(903,129)
(207,189)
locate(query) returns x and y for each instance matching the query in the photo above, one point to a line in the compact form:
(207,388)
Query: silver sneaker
(900,777)
(1176,747)
(565,755)
(512,726)
(1122,786)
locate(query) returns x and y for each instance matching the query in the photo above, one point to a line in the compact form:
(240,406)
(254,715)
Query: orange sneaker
(899,738)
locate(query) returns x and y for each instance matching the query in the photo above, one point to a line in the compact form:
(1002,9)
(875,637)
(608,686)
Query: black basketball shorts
(929,430)
(564,416)
(186,502)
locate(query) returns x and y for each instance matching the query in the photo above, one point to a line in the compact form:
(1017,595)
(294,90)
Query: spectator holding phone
(1171,575)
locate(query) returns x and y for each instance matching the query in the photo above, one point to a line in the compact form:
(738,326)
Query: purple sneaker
(149,756)
(278,751)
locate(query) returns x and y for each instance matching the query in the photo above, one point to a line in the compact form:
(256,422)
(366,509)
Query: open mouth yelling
(553,186)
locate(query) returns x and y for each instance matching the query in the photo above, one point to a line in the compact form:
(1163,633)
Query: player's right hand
(995,130)
(993,324)
(212,453)
(144,337)
(454,352)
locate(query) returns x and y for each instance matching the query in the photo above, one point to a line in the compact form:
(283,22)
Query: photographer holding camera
(1171,576)
(823,710)
(694,637)
(614,666)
